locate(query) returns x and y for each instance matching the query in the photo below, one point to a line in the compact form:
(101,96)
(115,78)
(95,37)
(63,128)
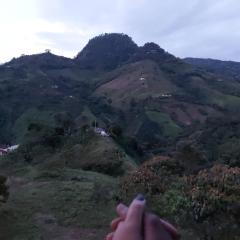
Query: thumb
(136,211)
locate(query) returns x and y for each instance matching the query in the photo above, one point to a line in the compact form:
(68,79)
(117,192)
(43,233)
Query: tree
(190,156)
(65,121)
(115,131)
(107,51)
(213,191)
(3,190)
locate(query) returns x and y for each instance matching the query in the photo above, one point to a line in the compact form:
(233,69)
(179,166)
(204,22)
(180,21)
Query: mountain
(45,82)
(227,69)
(106,51)
(151,95)
(119,83)
(45,60)
(116,120)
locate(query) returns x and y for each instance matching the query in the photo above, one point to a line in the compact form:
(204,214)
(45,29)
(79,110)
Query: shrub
(191,156)
(213,191)
(152,178)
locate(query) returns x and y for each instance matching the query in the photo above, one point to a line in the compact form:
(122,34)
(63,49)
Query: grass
(74,198)
(31,116)
(97,154)
(170,128)
(225,101)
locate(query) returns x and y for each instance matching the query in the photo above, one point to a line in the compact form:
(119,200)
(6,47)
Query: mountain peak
(107,51)
(151,46)
(154,52)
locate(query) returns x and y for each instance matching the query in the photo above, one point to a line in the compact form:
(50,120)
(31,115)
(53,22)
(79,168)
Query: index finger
(136,211)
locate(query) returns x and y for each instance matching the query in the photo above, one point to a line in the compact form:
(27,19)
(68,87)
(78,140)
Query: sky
(185,28)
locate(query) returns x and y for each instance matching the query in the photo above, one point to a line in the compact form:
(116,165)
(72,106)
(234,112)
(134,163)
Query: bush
(191,156)
(213,191)
(173,204)
(152,178)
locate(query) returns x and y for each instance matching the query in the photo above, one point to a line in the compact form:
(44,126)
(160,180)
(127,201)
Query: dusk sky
(187,28)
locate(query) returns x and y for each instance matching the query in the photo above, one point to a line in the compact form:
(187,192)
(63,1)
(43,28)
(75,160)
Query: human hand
(129,224)
(152,227)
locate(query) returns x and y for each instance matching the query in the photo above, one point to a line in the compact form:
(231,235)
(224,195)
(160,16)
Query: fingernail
(140,197)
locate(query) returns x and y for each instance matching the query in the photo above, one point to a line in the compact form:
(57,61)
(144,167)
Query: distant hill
(150,94)
(228,69)
(45,60)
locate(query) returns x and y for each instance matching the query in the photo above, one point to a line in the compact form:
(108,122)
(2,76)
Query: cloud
(201,28)
(198,28)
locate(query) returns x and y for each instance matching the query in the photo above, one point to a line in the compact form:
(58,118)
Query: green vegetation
(215,141)
(96,154)
(106,51)
(57,200)
(170,128)
(29,117)
(65,179)
(228,69)
(191,201)
(3,189)
(227,102)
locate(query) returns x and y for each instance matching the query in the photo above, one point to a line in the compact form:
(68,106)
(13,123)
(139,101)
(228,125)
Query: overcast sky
(185,28)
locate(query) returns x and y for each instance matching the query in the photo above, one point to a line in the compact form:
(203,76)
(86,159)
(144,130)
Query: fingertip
(140,197)
(139,201)
(136,210)
(122,210)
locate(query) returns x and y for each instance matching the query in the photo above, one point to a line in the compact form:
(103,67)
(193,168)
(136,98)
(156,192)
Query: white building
(12,148)
(101,132)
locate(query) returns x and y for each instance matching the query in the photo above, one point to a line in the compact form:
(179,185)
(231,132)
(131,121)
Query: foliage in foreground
(191,201)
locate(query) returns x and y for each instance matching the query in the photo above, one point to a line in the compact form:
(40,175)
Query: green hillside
(117,120)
